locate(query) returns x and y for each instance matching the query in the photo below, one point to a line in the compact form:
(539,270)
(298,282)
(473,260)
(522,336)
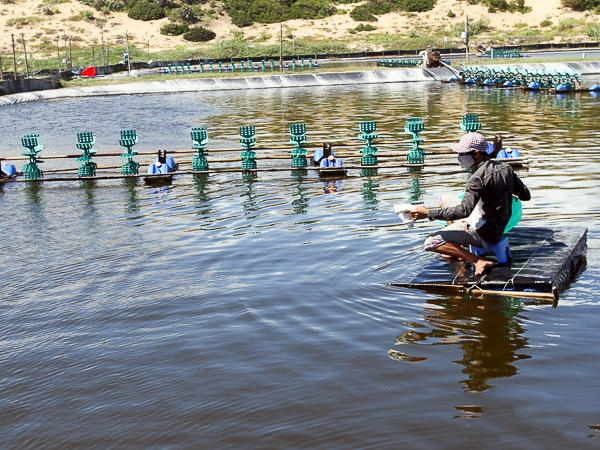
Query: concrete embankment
(281,81)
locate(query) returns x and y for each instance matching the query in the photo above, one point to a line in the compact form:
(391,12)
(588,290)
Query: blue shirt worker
(491,187)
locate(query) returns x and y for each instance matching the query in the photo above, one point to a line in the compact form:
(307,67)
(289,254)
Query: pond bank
(282,81)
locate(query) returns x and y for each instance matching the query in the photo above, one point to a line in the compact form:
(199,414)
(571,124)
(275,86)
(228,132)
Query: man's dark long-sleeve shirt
(493,182)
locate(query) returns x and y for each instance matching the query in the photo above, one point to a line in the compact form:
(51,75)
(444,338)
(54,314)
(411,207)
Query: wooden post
(93,57)
(25,54)
(1,72)
(12,36)
(281,47)
(148,49)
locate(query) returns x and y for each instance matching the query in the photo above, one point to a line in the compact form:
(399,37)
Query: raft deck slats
(544,260)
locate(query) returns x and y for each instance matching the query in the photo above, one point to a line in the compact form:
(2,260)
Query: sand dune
(30,19)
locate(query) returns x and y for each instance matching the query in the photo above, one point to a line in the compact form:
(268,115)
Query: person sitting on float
(324,157)
(492,182)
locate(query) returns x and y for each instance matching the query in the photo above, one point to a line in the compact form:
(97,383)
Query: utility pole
(281,47)
(1,73)
(70,53)
(128,56)
(25,54)
(66,54)
(102,36)
(467,35)
(58,53)
(12,36)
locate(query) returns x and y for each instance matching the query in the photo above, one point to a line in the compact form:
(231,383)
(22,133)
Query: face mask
(466,161)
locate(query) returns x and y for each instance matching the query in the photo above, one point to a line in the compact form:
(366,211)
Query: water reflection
(332,186)
(250,204)
(300,194)
(369,194)
(415,193)
(469,412)
(596,431)
(489,332)
(89,210)
(32,190)
(160,194)
(132,201)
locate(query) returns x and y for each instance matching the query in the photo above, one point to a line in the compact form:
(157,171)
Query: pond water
(226,312)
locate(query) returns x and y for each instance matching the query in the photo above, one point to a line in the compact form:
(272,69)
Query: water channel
(224,312)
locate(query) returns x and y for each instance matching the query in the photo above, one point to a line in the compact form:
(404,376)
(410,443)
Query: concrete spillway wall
(279,81)
(215,84)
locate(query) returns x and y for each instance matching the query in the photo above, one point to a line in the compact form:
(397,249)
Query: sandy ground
(68,21)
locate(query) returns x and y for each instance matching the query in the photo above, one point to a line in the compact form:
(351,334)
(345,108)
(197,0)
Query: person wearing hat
(491,187)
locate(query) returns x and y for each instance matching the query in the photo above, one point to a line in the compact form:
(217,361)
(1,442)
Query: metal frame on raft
(369,163)
(553,82)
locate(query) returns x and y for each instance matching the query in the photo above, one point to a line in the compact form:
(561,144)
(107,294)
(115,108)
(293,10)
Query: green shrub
(367,11)
(105,5)
(503,5)
(416,5)
(593,32)
(246,12)
(567,24)
(186,14)
(581,5)
(174,29)
(451,14)
(199,34)
(479,26)
(528,33)
(146,11)
(310,9)
(365,27)
(362,13)
(546,23)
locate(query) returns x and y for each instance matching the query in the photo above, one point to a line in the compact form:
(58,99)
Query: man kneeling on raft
(491,186)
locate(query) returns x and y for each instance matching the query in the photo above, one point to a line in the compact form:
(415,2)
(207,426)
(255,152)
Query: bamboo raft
(544,262)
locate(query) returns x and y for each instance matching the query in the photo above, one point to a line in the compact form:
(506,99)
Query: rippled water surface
(226,312)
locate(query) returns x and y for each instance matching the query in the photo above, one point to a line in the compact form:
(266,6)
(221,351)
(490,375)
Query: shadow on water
(489,332)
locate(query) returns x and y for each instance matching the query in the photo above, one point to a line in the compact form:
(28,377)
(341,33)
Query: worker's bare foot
(483,266)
